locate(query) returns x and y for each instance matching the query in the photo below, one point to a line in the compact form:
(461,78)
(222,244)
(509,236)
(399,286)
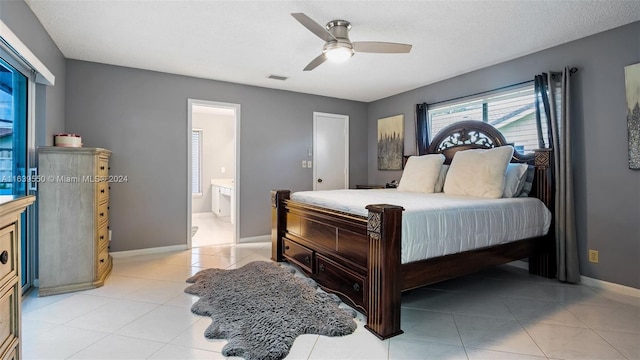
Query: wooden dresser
(73,215)
(10,271)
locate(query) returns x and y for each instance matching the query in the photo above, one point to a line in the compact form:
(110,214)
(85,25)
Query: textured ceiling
(246,41)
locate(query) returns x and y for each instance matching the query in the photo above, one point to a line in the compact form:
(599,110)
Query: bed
(358,254)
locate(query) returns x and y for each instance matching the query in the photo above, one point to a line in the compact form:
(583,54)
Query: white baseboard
(595,283)
(253,239)
(155,250)
(605,285)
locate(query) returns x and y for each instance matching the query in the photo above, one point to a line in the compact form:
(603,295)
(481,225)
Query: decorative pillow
(421,173)
(478,172)
(514,180)
(441,177)
(528,181)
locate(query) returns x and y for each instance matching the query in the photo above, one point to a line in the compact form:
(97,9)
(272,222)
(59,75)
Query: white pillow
(421,173)
(478,172)
(441,177)
(514,179)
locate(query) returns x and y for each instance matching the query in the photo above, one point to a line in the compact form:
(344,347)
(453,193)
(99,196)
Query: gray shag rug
(262,307)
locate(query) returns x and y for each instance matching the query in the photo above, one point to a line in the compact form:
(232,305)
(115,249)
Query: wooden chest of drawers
(73,216)
(10,284)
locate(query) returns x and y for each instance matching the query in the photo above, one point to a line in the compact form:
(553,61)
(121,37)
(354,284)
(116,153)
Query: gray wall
(218,146)
(142,117)
(607,192)
(50,99)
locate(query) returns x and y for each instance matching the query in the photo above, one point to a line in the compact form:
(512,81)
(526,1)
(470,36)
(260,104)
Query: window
(14,117)
(196,162)
(512,111)
(13,122)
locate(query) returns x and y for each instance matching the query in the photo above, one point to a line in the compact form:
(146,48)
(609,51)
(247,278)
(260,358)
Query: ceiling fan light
(339,54)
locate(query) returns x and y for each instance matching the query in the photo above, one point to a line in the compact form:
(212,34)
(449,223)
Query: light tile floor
(212,230)
(503,313)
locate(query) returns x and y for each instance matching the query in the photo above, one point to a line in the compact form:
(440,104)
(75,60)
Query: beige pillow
(478,172)
(420,173)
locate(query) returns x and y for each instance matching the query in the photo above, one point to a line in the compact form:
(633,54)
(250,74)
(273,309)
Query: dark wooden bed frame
(359,258)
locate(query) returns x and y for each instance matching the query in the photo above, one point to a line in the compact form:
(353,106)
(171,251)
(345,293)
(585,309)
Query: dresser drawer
(8,317)
(12,354)
(103,167)
(103,259)
(342,281)
(299,255)
(8,261)
(103,192)
(103,214)
(103,236)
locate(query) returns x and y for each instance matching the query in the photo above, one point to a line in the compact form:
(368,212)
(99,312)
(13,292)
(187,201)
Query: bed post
(384,230)
(544,263)
(278,222)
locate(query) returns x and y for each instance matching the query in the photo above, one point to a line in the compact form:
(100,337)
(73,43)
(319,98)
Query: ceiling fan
(338,47)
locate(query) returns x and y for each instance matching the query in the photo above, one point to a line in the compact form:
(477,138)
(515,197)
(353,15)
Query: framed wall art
(390,142)
(632,82)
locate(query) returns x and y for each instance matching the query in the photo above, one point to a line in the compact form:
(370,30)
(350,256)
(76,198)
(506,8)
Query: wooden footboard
(355,257)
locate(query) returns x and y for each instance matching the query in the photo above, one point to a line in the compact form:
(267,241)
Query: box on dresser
(73,217)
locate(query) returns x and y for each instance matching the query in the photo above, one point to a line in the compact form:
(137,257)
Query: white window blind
(196,161)
(511,111)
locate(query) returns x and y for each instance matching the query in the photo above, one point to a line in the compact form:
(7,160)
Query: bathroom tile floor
(212,230)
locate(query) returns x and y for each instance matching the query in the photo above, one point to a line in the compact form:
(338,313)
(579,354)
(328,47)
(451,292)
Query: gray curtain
(422,128)
(554,91)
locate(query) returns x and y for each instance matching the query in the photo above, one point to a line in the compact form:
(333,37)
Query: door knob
(319,180)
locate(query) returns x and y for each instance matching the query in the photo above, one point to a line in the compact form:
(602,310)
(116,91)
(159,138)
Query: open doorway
(213,173)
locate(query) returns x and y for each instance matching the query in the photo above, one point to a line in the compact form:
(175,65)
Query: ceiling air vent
(278,77)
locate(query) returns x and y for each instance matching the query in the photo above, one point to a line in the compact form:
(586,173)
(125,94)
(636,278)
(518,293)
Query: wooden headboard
(465,135)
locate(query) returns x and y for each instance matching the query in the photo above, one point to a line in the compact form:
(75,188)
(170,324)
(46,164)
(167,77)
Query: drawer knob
(101,167)
(101,260)
(102,191)
(286,247)
(322,267)
(356,287)
(4,257)
(307,259)
(101,214)
(101,237)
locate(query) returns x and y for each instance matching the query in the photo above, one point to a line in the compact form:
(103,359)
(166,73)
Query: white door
(330,151)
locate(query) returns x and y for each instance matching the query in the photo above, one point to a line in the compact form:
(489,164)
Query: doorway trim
(346,145)
(236,110)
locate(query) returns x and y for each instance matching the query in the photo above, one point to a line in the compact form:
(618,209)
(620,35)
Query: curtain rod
(573,70)
(481,92)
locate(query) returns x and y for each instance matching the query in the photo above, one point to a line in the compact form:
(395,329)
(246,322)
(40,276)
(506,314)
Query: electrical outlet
(593,256)
(304,164)
(309,164)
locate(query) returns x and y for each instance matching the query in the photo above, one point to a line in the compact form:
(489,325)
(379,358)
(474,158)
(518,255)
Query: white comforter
(438,224)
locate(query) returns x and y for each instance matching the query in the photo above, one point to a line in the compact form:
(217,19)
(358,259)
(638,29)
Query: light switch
(309,164)
(304,164)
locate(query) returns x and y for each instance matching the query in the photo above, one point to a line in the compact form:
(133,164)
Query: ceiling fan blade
(313,26)
(381,47)
(316,62)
